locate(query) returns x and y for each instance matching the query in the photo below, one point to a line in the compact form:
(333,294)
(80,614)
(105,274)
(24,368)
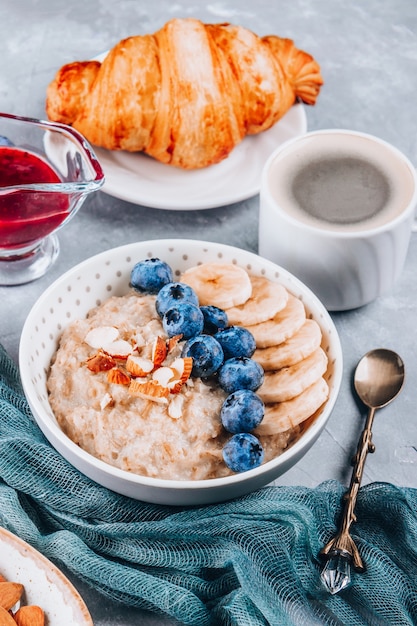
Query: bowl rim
(47,425)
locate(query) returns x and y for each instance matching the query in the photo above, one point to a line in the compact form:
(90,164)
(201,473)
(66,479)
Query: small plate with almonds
(33,591)
(147,426)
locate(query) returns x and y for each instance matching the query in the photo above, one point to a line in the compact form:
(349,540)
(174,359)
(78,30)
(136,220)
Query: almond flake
(175,386)
(118,376)
(101,336)
(178,367)
(139,340)
(181,369)
(173,341)
(138,366)
(188,367)
(183,365)
(150,390)
(164,375)
(100,362)
(118,349)
(159,351)
(106,400)
(175,407)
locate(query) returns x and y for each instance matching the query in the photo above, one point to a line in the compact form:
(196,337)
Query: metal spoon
(378,379)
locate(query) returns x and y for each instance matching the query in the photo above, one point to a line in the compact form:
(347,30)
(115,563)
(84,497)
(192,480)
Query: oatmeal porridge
(122,389)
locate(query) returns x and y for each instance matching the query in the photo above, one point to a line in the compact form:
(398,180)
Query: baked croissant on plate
(186,95)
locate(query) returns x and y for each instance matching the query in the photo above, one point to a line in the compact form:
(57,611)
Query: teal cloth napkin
(251,561)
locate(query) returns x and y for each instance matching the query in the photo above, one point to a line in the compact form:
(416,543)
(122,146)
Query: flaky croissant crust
(186,95)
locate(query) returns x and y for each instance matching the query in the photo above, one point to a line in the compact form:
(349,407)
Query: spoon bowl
(379,377)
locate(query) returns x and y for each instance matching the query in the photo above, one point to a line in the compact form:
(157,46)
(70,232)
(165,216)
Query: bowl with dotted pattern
(107,274)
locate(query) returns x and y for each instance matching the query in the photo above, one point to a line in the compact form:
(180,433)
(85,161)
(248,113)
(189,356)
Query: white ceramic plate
(139,179)
(44,584)
(108,274)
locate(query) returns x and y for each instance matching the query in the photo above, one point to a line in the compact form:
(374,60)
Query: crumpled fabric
(250,561)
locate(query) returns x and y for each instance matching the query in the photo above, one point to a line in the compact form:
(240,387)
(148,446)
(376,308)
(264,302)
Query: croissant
(186,95)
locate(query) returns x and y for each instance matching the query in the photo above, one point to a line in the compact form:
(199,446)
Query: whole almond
(30,615)
(5,618)
(9,594)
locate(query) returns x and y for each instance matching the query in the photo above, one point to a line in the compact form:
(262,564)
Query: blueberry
(240,373)
(242,411)
(150,275)
(243,452)
(236,341)
(214,319)
(207,355)
(172,294)
(5,141)
(183,319)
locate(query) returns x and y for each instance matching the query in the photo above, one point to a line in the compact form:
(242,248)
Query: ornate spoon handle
(341,551)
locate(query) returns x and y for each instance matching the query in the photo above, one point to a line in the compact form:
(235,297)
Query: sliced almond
(101,336)
(10,593)
(105,401)
(100,362)
(164,375)
(173,341)
(182,367)
(119,349)
(175,407)
(139,365)
(139,340)
(117,376)
(175,387)
(159,351)
(30,615)
(149,390)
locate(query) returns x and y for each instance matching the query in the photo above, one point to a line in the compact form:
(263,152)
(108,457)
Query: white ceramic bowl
(44,584)
(107,274)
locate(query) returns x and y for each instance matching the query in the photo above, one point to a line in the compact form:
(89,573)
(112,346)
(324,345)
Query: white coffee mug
(337,210)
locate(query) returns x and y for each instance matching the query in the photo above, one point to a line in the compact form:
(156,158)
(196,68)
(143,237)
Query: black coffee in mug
(341,189)
(338,188)
(336,210)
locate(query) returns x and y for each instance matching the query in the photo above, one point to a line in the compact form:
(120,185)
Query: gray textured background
(368,54)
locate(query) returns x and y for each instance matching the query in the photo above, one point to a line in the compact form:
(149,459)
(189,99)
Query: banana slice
(266,300)
(295,349)
(290,381)
(282,326)
(220,284)
(282,416)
